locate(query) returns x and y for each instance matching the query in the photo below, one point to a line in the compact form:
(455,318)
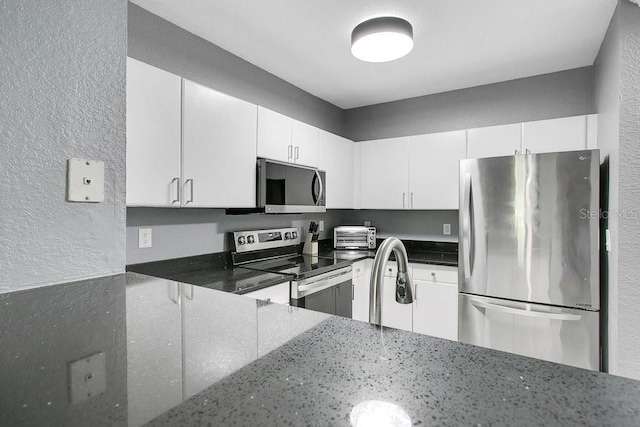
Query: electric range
(318,283)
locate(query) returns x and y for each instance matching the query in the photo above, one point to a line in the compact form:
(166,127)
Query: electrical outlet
(367,223)
(321,225)
(144,238)
(446,229)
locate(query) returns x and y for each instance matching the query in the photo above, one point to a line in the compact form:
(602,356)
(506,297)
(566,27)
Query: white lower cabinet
(435,306)
(278,294)
(361,284)
(394,315)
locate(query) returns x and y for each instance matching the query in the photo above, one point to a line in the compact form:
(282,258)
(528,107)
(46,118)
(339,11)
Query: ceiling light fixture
(382,39)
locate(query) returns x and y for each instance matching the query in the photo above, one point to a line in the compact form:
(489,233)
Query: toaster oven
(354,237)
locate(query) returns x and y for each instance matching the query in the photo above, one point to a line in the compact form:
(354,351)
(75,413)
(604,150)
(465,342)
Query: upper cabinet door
(434,165)
(494,141)
(384,174)
(153,136)
(336,158)
(304,139)
(219,149)
(274,136)
(564,134)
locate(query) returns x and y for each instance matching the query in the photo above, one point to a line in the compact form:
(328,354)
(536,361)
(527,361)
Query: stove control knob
(250,239)
(287,236)
(241,240)
(294,234)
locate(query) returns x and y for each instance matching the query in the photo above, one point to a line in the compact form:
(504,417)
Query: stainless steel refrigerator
(529,256)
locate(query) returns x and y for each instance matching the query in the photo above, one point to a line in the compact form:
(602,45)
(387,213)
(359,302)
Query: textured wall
(567,93)
(629,197)
(160,43)
(62,86)
(607,98)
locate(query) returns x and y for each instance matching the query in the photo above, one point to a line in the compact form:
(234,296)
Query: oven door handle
(313,287)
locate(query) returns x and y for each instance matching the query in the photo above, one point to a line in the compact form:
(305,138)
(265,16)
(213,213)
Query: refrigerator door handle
(466,227)
(524,312)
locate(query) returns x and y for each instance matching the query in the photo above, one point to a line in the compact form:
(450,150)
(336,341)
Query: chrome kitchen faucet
(404,294)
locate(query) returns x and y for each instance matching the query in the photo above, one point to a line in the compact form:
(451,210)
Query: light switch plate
(446,229)
(87,377)
(85,180)
(321,225)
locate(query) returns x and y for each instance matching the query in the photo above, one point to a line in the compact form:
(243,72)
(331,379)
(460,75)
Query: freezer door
(561,335)
(529,228)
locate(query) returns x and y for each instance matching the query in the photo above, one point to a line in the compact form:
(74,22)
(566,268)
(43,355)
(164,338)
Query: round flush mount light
(382,39)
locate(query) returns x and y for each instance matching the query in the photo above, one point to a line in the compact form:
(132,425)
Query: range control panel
(245,241)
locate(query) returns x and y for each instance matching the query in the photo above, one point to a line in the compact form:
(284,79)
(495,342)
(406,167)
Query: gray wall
(62,80)
(563,94)
(178,233)
(629,194)
(160,43)
(412,225)
(607,98)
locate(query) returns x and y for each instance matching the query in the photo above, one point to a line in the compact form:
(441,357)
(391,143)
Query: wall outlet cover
(85,180)
(87,377)
(144,238)
(367,223)
(321,225)
(446,229)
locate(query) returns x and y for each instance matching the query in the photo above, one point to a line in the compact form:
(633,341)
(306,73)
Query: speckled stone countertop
(179,354)
(215,271)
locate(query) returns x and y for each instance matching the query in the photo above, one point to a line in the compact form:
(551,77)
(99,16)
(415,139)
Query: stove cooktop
(298,266)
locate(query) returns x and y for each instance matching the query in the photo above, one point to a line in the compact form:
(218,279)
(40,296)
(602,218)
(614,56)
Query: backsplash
(180,233)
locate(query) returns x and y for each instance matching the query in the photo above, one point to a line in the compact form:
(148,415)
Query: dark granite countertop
(179,354)
(215,271)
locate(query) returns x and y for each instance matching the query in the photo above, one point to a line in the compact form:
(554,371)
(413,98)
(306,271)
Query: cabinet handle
(191,192)
(527,151)
(404,195)
(177,181)
(415,292)
(289,152)
(412,199)
(353,292)
(517,152)
(433,276)
(297,153)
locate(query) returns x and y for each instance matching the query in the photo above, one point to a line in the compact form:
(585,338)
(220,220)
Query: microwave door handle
(313,189)
(316,197)
(321,190)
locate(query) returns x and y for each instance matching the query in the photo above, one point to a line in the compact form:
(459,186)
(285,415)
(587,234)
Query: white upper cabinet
(284,139)
(219,149)
(434,165)
(494,141)
(564,134)
(274,135)
(153,136)
(336,158)
(384,173)
(305,140)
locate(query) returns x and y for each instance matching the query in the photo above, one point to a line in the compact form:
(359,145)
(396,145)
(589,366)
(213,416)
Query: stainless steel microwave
(287,188)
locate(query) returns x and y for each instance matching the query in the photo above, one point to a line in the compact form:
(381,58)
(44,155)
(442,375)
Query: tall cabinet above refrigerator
(529,255)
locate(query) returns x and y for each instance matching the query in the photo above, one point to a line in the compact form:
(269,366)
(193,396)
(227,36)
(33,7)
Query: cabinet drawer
(277,293)
(435,273)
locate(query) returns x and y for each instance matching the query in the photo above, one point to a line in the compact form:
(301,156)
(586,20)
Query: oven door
(286,188)
(330,293)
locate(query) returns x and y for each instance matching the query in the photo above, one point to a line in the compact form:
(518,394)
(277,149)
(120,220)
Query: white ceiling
(457,43)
